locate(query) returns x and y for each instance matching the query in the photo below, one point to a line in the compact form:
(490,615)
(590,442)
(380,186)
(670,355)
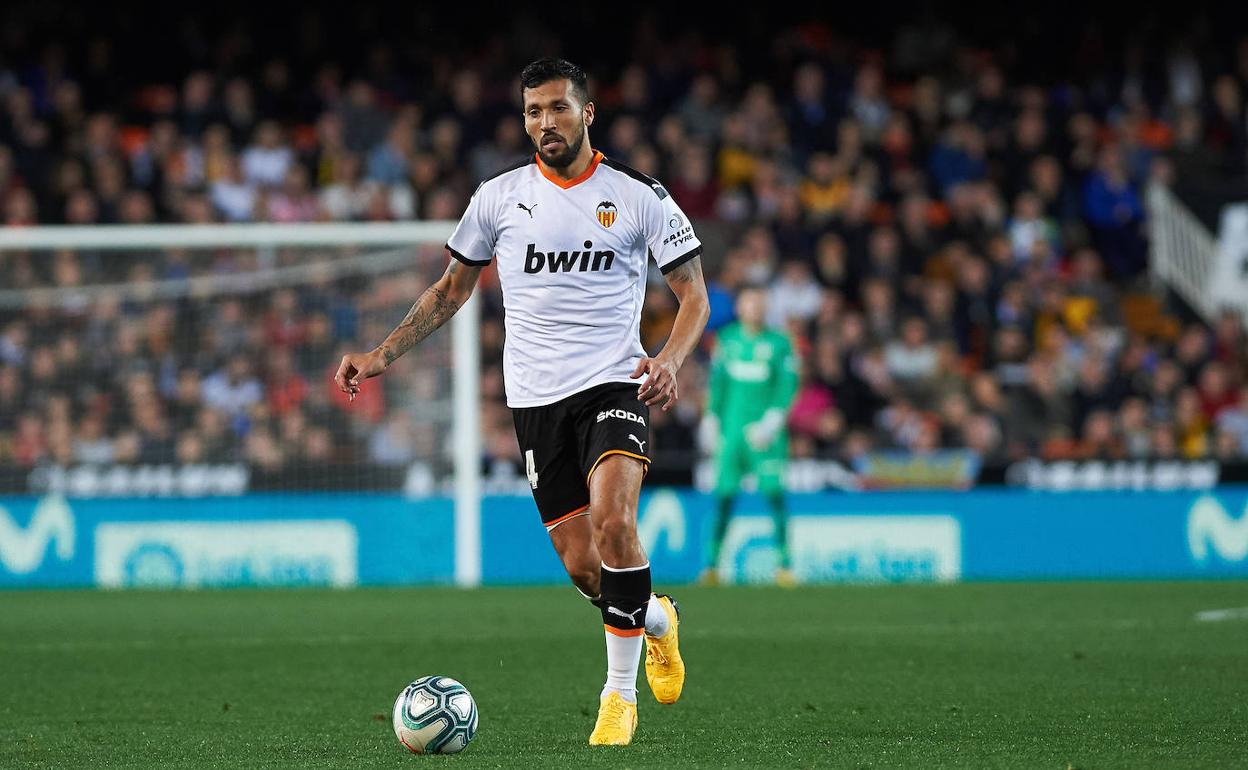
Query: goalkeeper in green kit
(754,377)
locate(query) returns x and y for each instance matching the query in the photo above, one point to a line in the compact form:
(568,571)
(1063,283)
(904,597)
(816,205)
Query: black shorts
(562,443)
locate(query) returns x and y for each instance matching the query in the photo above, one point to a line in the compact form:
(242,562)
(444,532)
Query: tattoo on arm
(689,272)
(687,283)
(428,313)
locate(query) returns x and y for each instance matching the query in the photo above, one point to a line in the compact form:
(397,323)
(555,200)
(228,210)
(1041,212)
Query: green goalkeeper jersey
(751,373)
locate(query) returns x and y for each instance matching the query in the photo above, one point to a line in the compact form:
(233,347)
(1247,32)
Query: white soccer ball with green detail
(435,715)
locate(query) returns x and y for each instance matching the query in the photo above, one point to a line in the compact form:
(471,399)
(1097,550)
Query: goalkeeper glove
(708,433)
(760,434)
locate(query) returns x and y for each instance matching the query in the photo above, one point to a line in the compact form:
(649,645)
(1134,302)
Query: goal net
(198,361)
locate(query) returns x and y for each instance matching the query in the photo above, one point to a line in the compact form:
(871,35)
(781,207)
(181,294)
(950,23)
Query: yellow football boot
(617,719)
(665,671)
(785,578)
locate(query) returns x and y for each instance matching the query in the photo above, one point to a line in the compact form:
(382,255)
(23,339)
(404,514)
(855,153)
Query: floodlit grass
(1015,675)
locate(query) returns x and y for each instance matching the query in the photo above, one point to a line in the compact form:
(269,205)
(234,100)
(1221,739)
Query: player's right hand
(357,367)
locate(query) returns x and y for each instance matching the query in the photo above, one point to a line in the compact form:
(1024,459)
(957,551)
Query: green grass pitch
(1004,675)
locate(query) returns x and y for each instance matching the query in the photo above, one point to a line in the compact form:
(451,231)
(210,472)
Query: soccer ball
(435,715)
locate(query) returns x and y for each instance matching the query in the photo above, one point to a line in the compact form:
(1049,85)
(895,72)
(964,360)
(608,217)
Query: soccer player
(753,381)
(572,233)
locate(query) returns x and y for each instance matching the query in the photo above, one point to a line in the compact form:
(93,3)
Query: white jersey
(572,262)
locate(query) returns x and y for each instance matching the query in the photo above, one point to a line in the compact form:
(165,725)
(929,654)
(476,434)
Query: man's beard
(564,158)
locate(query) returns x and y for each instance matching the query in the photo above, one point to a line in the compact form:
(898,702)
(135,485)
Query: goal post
(261,235)
(230,261)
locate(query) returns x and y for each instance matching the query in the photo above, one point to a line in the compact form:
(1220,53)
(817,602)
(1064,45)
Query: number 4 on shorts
(530,468)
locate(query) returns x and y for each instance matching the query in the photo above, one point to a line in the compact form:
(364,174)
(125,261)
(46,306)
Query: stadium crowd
(958,254)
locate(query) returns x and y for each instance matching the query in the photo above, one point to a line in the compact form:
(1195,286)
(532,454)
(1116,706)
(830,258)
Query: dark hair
(549,68)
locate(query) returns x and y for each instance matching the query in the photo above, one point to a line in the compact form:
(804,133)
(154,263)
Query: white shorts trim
(551,527)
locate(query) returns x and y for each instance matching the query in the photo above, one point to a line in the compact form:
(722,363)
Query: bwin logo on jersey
(622,415)
(566,261)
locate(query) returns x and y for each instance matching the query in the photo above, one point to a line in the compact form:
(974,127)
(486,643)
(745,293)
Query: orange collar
(566,183)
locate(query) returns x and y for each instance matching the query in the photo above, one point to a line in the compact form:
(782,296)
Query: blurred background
(1010,252)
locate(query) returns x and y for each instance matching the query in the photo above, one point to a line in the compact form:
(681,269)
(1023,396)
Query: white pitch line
(173,645)
(1214,616)
(947,627)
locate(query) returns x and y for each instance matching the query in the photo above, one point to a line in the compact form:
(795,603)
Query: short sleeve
(475,236)
(669,233)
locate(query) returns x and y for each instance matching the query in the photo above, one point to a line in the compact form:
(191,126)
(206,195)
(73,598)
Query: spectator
(1029,226)
(1233,421)
(286,388)
(911,357)
(347,197)
(361,120)
(825,190)
(294,202)
(913,231)
(92,446)
(1191,424)
(233,196)
(694,184)
(392,445)
(959,158)
(701,112)
(232,389)
(1132,426)
(1115,213)
(794,296)
(266,162)
(388,161)
(1215,391)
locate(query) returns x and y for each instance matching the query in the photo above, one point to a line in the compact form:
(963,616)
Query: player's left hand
(660,386)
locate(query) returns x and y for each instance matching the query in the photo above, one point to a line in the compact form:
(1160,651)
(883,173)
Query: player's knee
(616,537)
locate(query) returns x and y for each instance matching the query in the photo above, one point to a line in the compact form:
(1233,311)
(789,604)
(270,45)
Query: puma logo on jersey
(528,209)
(621,414)
(566,261)
(641,445)
(630,615)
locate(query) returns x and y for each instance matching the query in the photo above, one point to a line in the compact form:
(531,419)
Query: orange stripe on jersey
(567,516)
(645,461)
(624,632)
(566,183)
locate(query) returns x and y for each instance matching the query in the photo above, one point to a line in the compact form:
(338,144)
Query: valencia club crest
(606,213)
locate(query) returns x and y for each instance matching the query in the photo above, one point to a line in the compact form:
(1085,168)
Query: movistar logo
(1209,525)
(22,550)
(566,261)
